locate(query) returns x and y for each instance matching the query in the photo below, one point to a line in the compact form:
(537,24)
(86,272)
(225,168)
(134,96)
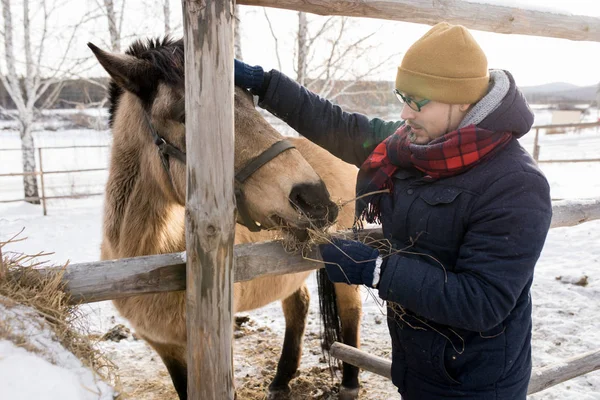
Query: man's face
(434,120)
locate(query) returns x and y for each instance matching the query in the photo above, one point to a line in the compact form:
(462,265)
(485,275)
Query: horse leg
(349,306)
(295,310)
(174,358)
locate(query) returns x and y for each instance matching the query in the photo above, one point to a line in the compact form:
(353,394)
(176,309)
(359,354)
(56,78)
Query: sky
(532,60)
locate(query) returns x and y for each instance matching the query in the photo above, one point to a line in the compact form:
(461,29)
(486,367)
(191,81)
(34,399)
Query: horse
(295,185)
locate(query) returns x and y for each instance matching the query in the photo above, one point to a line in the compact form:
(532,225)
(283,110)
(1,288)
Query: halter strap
(166,150)
(263,158)
(250,168)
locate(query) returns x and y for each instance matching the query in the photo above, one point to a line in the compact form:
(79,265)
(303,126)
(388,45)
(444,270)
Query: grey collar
(498,88)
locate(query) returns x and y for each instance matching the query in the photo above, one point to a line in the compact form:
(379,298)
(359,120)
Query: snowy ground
(566,315)
(59,375)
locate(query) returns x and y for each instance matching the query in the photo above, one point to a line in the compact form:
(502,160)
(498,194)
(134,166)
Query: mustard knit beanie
(445,65)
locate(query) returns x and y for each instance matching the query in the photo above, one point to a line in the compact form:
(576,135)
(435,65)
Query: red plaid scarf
(451,154)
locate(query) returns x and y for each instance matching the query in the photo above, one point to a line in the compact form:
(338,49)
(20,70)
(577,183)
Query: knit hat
(445,65)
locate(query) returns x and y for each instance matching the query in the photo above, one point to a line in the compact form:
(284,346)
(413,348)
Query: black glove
(250,77)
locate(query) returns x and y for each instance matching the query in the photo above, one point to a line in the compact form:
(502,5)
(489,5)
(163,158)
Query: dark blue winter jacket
(459,305)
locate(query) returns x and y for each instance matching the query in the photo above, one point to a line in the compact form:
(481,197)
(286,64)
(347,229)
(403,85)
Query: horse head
(147,117)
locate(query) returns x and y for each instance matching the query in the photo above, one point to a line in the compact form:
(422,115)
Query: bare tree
(274,37)
(237,34)
(36,79)
(167,16)
(301,40)
(327,59)
(115,21)
(338,73)
(598,101)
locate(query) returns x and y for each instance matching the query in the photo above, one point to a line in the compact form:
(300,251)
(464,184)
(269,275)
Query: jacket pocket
(442,211)
(422,347)
(439,196)
(481,362)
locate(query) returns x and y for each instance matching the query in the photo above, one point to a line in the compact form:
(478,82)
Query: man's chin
(415,139)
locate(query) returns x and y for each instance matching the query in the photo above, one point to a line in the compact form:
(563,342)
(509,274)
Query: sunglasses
(415,105)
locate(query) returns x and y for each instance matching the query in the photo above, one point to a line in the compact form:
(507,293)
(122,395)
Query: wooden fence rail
(541,378)
(104,280)
(482,16)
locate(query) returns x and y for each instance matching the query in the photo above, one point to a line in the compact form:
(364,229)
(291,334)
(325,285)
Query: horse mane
(166,55)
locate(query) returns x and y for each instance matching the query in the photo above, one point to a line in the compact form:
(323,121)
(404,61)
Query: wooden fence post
(42,182)
(210,201)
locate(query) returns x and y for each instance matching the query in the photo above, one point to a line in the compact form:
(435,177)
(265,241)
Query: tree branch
(274,38)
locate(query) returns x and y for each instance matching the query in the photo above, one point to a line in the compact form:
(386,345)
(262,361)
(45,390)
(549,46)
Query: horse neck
(139,217)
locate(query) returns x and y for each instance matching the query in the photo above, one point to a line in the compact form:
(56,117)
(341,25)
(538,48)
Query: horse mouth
(298,229)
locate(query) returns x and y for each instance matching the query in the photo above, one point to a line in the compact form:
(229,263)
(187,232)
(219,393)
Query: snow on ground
(58,374)
(566,315)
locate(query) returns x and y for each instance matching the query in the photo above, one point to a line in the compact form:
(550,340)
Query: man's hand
(249,77)
(349,261)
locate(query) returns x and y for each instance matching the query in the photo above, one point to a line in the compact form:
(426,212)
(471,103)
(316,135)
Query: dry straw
(21,283)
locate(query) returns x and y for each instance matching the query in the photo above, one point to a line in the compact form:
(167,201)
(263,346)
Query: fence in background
(41,172)
(562,128)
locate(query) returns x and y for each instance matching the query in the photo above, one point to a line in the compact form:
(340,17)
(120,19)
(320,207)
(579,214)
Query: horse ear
(127,71)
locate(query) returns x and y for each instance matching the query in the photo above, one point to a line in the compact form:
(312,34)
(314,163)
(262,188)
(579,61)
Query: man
(467,214)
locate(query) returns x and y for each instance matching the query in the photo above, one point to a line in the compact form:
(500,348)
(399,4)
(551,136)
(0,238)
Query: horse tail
(330,319)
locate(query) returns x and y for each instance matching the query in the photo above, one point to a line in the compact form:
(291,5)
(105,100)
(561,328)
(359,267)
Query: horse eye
(179,111)
(179,115)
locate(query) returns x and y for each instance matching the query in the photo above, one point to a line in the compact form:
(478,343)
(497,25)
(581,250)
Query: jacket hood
(503,108)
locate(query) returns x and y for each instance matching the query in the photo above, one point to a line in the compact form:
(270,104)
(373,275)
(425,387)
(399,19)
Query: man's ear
(464,107)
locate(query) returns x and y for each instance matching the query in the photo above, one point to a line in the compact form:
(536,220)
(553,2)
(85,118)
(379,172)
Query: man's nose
(407,113)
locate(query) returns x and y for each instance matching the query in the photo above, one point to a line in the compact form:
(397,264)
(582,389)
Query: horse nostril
(313,201)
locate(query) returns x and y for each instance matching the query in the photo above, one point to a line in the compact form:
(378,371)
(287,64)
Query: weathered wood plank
(106,280)
(484,17)
(115,279)
(545,377)
(359,358)
(574,212)
(541,378)
(210,201)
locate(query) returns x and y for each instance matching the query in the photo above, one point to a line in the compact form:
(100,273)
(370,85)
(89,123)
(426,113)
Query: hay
(22,284)
(304,242)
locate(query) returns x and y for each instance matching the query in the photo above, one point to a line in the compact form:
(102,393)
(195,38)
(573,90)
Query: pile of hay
(36,315)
